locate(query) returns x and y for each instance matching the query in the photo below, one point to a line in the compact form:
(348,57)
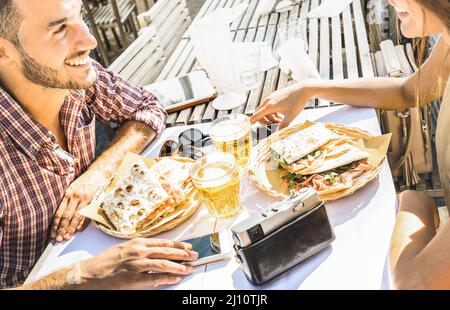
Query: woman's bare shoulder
(441,58)
(433,72)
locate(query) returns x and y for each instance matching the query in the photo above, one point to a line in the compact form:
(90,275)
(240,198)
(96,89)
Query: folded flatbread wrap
(335,154)
(301,143)
(137,200)
(171,171)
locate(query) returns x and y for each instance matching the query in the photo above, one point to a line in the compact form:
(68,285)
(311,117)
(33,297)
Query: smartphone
(211,248)
(183,92)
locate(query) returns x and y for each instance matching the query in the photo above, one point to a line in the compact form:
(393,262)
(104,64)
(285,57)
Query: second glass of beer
(232,134)
(216,177)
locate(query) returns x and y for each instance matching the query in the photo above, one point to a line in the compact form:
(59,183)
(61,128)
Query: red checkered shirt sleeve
(114,99)
(2,208)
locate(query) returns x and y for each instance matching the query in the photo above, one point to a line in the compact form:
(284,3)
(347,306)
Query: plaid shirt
(35,172)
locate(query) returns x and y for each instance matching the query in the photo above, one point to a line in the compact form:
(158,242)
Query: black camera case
(286,247)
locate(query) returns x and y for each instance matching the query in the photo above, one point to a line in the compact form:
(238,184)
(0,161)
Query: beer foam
(229,130)
(214,174)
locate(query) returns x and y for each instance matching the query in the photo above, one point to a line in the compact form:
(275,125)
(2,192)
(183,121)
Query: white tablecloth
(362,223)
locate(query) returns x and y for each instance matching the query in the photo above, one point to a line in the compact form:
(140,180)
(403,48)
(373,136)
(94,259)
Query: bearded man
(51,94)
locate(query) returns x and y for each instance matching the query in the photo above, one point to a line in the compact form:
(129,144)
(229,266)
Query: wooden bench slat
(196,116)
(131,51)
(294,13)
(282,80)
(205,8)
(172,45)
(173,59)
(363,44)
(350,48)
(179,64)
(221,113)
(210,113)
(338,70)
(171,119)
(313,44)
(151,52)
(149,71)
(159,9)
(324,55)
(273,18)
(183,117)
(244,24)
(171,32)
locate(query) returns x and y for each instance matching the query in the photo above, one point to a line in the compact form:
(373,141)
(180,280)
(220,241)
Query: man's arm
(113,100)
(418,257)
(132,136)
(137,263)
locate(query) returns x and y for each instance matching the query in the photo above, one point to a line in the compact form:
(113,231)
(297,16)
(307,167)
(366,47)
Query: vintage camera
(281,236)
(257,227)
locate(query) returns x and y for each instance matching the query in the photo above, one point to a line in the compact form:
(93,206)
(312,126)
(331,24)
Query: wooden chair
(142,61)
(170,18)
(147,5)
(101,48)
(120,14)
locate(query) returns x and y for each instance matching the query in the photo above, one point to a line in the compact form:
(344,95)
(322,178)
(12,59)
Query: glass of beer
(232,134)
(216,177)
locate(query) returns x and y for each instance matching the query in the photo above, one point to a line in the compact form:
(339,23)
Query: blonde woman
(419,257)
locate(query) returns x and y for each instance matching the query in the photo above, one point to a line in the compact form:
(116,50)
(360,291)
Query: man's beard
(45,76)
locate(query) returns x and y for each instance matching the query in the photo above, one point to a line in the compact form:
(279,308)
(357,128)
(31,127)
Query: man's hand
(137,263)
(132,136)
(80,193)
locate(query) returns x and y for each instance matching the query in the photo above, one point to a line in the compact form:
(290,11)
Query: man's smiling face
(55,44)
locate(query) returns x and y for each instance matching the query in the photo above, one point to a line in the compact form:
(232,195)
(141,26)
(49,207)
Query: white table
(362,223)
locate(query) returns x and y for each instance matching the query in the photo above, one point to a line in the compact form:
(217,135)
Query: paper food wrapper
(95,212)
(270,176)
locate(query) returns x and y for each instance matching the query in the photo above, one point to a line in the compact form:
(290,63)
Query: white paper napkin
(294,60)
(329,8)
(265,7)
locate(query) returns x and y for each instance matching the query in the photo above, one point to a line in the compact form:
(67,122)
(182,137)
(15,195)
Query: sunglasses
(191,143)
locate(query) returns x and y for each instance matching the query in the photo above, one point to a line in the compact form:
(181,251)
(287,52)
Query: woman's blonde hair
(440,8)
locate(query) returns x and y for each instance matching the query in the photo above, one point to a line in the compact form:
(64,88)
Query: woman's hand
(137,263)
(282,106)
